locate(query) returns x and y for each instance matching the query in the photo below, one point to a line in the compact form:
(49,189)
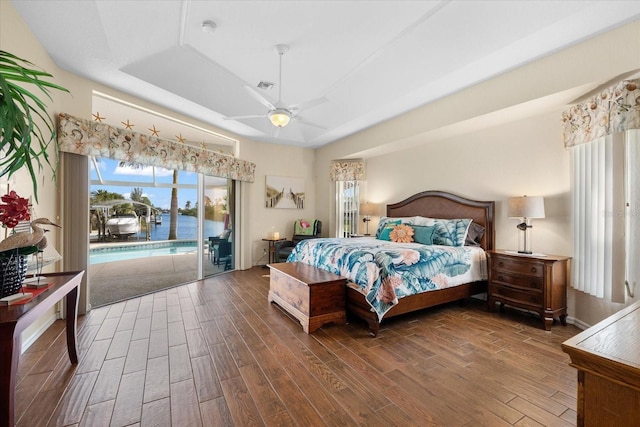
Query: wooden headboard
(439,204)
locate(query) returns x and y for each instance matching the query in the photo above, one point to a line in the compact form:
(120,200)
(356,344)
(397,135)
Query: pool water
(143,250)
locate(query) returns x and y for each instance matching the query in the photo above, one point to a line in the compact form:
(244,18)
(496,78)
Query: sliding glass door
(218,230)
(145,228)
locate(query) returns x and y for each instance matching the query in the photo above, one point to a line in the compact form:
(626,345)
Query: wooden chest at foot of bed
(313,296)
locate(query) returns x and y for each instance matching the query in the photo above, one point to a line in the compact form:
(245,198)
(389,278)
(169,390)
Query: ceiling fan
(280,114)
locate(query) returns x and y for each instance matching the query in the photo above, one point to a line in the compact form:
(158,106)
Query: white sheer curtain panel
(632,167)
(347,208)
(593,213)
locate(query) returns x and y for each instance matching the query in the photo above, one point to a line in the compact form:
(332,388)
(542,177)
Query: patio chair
(214,244)
(283,248)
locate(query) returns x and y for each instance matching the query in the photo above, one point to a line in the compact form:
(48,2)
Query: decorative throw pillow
(421,220)
(474,235)
(385,228)
(450,232)
(401,233)
(423,234)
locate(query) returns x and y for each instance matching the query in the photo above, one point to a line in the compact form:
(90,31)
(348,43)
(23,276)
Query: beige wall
(279,160)
(498,139)
(518,158)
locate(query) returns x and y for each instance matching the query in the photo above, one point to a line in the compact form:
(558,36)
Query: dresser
(607,357)
(534,283)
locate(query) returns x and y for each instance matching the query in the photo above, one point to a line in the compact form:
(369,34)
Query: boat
(123,225)
(158,219)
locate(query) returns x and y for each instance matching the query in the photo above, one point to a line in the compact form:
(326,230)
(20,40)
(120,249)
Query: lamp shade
(526,207)
(368,209)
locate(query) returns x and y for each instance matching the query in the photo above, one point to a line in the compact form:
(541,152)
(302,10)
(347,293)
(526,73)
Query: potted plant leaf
(23,137)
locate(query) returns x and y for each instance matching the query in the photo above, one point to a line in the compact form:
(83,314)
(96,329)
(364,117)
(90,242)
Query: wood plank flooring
(216,353)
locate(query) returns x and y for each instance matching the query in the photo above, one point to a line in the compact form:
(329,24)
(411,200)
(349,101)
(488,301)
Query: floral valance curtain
(613,110)
(90,138)
(347,170)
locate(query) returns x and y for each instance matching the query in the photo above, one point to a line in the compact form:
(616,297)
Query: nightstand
(529,282)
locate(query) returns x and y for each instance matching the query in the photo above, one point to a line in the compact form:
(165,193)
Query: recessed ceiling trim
(421,20)
(183,21)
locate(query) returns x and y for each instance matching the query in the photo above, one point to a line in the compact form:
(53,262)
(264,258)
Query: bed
(393,260)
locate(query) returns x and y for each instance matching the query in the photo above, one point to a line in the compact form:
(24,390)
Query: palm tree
(101,195)
(98,216)
(136,194)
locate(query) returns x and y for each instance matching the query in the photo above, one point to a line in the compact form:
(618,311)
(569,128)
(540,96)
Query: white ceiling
(371,60)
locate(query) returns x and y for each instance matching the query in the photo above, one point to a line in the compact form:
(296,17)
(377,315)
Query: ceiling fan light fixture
(279,117)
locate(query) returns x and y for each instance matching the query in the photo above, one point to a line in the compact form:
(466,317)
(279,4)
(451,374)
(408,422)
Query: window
(347,208)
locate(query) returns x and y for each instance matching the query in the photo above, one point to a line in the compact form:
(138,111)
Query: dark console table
(16,318)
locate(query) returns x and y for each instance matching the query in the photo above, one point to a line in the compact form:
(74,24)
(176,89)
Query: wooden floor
(215,353)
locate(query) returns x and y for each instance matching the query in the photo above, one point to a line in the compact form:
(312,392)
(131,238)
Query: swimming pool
(123,252)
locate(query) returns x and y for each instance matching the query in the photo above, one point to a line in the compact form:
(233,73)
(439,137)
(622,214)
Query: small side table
(272,248)
(15,318)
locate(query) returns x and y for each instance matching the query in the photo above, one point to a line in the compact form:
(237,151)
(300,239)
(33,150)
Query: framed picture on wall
(284,192)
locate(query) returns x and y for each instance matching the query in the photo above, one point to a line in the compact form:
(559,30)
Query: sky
(143,178)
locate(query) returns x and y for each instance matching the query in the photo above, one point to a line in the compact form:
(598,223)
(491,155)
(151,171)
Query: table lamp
(526,208)
(367,210)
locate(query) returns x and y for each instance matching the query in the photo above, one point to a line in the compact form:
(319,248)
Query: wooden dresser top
(611,347)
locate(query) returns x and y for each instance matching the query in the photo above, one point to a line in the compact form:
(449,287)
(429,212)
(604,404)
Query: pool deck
(120,280)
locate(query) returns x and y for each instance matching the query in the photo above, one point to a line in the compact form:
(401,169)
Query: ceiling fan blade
(261,99)
(250,116)
(309,104)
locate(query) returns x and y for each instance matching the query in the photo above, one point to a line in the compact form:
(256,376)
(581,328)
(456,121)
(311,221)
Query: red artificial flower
(14,209)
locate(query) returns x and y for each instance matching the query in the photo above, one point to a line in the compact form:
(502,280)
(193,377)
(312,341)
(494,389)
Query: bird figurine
(26,238)
(43,242)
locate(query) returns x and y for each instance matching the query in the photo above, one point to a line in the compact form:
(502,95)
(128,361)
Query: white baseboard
(577,323)
(28,341)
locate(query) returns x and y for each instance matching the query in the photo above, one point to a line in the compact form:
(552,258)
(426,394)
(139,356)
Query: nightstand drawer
(525,282)
(511,264)
(520,297)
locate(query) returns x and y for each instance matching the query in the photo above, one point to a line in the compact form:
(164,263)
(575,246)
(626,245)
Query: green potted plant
(23,142)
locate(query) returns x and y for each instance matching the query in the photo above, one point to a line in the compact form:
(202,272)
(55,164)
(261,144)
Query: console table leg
(9,357)
(72,315)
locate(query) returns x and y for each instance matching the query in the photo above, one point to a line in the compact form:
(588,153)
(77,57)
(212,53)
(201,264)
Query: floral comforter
(385,271)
